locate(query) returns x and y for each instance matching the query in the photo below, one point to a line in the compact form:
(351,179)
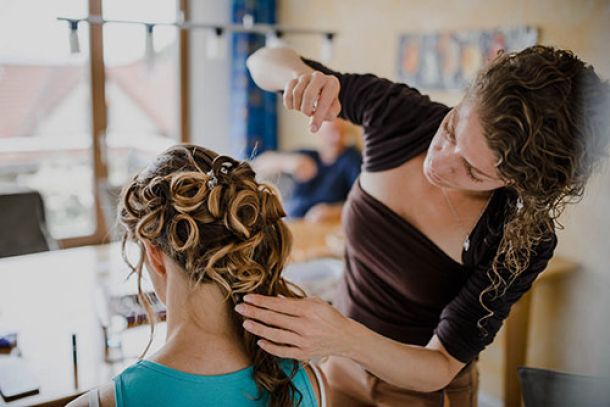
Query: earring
(519,204)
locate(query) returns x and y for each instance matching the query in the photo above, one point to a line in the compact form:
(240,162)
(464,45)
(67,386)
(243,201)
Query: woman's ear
(154,259)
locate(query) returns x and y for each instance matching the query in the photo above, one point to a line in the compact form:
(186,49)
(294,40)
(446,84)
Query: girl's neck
(202,337)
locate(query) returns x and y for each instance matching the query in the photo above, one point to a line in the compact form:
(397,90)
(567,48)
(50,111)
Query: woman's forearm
(273,68)
(311,328)
(407,366)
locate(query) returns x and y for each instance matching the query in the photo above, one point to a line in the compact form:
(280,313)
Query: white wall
(209,79)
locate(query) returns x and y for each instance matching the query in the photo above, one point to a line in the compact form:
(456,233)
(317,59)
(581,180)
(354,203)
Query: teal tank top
(151,384)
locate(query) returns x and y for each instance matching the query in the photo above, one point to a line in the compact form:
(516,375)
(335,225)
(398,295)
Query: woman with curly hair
(209,233)
(449,224)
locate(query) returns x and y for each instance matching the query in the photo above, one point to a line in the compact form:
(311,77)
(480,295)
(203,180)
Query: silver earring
(519,204)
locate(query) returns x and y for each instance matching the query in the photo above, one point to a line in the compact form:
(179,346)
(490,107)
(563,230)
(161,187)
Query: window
(141,89)
(45,135)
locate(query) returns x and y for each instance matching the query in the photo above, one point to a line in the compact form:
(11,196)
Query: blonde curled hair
(209,214)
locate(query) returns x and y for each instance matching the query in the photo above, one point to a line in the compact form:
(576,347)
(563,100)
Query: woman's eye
(470,174)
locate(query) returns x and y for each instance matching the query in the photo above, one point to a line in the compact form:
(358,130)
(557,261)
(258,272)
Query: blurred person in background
(322,177)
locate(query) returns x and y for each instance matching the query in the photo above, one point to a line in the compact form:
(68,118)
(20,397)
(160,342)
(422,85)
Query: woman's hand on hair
(316,95)
(296,328)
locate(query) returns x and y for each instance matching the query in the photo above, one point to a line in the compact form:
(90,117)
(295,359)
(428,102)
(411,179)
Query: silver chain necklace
(457,217)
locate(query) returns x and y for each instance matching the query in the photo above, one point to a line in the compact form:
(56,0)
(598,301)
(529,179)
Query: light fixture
(149,50)
(248,20)
(216,43)
(74,45)
(326,50)
(273,39)
(216,33)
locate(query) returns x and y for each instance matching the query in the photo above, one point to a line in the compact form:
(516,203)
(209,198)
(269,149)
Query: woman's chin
(434,179)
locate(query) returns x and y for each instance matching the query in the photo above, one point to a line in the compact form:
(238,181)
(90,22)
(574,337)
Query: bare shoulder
(322,390)
(381,185)
(106,397)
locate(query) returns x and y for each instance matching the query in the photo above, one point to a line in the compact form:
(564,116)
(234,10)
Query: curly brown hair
(544,113)
(209,214)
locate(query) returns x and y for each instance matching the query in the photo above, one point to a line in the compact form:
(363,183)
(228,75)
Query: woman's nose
(445,162)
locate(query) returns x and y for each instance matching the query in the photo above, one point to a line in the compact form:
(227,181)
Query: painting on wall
(450,60)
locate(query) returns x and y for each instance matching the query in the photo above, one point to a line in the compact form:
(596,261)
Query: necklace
(457,217)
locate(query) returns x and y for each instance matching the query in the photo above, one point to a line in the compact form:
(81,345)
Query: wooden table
(48,296)
(313,240)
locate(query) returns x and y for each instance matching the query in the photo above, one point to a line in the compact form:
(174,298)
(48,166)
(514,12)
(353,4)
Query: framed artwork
(450,60)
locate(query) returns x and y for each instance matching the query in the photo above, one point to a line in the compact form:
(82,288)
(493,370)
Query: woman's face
(458,156)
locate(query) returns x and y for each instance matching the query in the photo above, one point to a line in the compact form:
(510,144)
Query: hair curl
(209,214)
(544,113)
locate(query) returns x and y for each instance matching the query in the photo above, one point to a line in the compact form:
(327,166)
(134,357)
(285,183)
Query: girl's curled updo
(208,213)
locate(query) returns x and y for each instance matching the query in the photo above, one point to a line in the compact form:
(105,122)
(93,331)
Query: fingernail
(313,128)
(247,324)
(248,298)
(239,308)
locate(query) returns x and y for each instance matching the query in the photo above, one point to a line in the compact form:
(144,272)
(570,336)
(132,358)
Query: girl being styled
(209,234)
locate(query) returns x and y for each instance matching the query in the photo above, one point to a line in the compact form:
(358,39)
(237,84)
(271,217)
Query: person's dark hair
(209,214)
(544,113)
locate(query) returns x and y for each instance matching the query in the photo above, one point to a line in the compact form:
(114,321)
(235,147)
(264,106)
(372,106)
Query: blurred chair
(109,199)
(547,388)
(23,224)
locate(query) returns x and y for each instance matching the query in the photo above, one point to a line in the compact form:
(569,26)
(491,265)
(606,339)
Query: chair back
(109,199)
(547,388)
(23,224)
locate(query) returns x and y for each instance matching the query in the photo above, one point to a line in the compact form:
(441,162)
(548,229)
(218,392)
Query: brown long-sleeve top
(397,282)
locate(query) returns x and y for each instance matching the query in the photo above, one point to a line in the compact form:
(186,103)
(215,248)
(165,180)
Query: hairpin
(213,181)
(224,168)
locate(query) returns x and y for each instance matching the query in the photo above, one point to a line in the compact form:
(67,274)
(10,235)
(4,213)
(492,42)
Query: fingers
(328,101)
(316,95)
(288,104)
(273,334)
(334,110)
(288,306)
(299,90)
(268,317)
(312,92)
(286,352)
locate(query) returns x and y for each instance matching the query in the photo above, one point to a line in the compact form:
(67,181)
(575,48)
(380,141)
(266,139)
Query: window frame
(99,122)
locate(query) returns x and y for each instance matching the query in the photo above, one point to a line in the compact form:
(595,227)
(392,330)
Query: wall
(209,80)
(569,327)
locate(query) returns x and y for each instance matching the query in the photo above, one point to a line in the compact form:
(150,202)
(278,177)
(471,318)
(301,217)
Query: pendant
(467,243)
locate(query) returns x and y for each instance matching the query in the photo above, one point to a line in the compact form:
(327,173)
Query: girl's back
(148,383)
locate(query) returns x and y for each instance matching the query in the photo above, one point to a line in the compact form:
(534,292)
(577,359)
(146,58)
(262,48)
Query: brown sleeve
(458,330)
(398,121)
